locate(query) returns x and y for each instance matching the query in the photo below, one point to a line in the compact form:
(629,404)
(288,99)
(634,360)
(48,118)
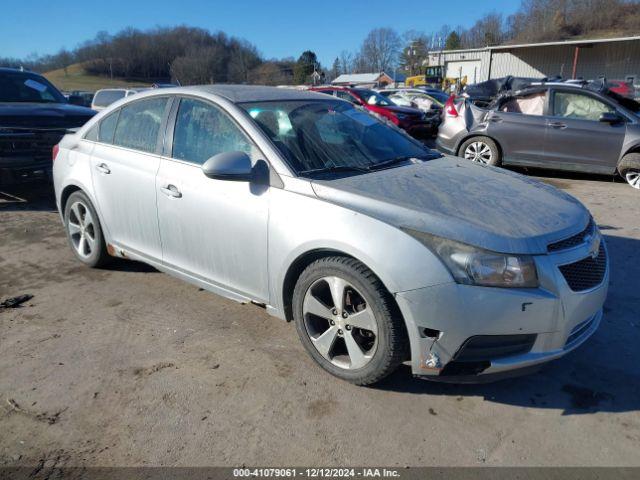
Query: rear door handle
(102,168)
(558,125)
(171,191)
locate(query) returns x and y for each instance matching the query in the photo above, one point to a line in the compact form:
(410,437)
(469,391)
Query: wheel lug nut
(339,332)
(347,327)
(335,312)
(345,315)
(332,322)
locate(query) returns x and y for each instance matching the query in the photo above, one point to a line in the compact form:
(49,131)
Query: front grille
(491,347)
(578,330)
(573,241)
(32,145)
(586,273)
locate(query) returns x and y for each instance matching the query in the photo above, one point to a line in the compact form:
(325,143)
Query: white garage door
(462,68)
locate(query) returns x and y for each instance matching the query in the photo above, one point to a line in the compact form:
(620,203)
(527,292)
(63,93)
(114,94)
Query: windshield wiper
(335,168)
(395,160)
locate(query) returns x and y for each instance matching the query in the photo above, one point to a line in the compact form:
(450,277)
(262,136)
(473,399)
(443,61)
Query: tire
(377,330)
(84,232)
(481,150)
(629,169)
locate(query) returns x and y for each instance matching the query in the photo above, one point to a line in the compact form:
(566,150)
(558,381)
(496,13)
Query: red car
(626,89)
(412,120)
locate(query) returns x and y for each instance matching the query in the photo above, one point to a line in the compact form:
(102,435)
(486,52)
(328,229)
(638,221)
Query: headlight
(475,266)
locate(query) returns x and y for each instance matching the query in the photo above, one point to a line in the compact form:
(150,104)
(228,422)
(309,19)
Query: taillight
(450,108)
(54,152)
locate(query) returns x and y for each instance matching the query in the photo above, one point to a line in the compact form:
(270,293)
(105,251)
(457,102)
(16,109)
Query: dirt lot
(128,366)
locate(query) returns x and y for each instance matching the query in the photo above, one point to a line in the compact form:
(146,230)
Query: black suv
(34,116)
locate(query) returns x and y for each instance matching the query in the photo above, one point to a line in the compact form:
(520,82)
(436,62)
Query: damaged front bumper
(468,333)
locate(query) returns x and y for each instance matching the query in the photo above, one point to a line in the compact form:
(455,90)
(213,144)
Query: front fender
(299,224)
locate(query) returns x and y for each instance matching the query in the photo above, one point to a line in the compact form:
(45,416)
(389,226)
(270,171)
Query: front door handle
(103,168)
(558,125)
(171,191)
(495,119)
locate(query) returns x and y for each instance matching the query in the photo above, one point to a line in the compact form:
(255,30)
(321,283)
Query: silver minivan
(380,250)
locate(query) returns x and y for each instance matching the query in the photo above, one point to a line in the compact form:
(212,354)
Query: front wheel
(481,150)
(629,168)
(348,322)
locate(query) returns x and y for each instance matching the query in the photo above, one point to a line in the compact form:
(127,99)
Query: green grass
(76,78)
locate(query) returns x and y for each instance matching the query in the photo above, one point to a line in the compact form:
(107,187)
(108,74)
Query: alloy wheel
(81,229)
(478,152)
(340,323)
(633,178)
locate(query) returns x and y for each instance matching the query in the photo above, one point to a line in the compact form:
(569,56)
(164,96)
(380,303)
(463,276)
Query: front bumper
(441,318)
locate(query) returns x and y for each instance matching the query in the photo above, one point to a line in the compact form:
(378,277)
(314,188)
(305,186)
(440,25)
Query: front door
(576,139)
(124,164)
(214,230)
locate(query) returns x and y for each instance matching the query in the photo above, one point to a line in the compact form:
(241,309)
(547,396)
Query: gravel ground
(128,366)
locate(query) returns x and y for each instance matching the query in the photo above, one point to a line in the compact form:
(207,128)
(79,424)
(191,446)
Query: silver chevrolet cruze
(379,249)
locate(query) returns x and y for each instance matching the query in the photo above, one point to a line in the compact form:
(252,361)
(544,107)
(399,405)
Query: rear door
(576,139)
(124,165)
(519,126)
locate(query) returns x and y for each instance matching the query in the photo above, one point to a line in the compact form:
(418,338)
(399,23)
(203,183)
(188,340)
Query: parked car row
(414,121)
(575,126)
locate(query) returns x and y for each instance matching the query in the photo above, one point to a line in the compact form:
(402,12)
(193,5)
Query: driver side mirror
(610,117)
(232,166)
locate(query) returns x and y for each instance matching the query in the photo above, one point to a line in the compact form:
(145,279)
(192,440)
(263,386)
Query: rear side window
(203,130)
(344,95)
(139,124)
(105,98)
(532,104)
(107,127)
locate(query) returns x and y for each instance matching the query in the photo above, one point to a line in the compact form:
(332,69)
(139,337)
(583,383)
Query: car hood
(487,207)
(43,115)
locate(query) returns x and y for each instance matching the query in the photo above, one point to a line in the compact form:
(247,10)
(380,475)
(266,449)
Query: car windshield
(26,87)
(319,137)
(373,98)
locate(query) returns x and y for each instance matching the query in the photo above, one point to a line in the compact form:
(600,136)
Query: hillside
(77,79)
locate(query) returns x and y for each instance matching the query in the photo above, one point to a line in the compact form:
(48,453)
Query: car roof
(17,70)
(250,93)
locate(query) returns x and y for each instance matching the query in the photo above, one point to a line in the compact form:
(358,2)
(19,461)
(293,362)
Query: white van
(105,97)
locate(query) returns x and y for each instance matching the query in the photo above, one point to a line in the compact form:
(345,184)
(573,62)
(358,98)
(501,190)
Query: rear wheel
(84,231)
(481,150)
(347,321)
(629,168)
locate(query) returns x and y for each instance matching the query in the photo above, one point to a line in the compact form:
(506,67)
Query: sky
(278,28)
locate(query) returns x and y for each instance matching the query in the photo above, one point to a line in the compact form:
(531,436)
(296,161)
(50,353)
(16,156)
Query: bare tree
(380,49)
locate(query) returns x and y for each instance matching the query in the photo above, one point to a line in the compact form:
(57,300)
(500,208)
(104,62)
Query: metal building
(613,58)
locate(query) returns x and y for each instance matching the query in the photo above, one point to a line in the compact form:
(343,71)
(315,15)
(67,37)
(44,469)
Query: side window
(139,124)
(532,104)
(346,96)
(579,106)
(327,92)
(203,130)
(107,127)
(92,134)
